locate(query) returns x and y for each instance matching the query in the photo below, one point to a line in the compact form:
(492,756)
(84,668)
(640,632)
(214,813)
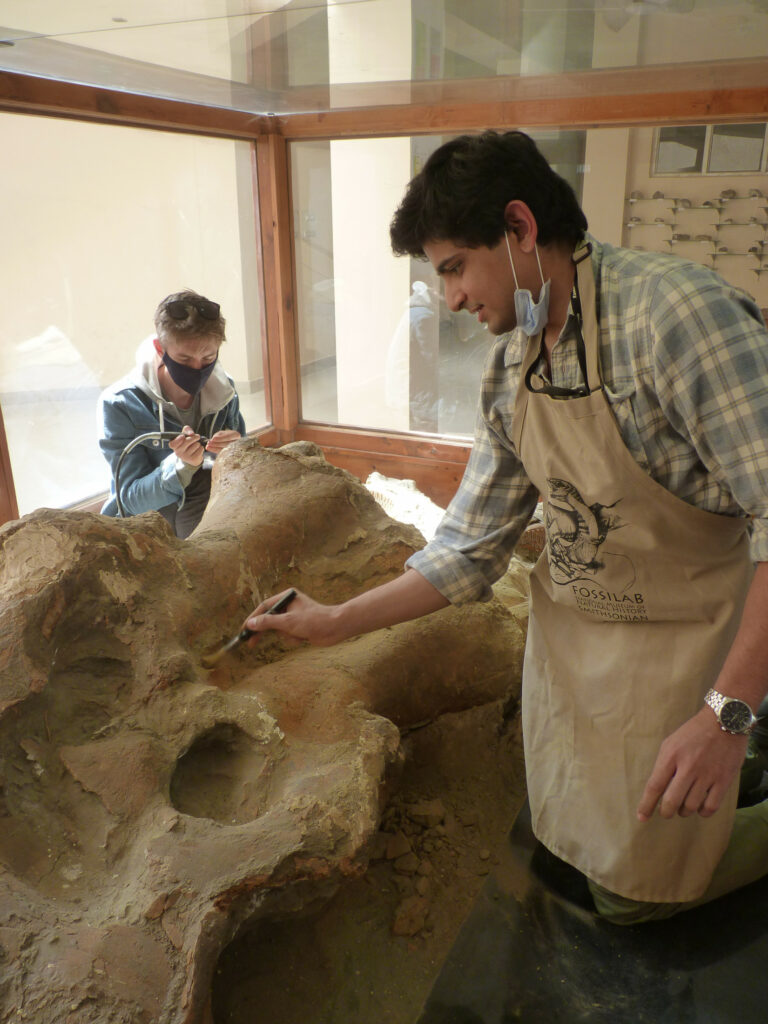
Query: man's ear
(521,222)
(158,347)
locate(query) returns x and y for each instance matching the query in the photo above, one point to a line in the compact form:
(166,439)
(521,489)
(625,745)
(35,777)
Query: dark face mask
(186,377)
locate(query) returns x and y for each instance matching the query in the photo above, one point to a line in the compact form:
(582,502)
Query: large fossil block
(150,809)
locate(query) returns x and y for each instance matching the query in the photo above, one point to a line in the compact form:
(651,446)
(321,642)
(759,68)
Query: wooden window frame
(702,93)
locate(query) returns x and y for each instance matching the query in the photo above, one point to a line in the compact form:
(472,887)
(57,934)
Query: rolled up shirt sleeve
(474,542)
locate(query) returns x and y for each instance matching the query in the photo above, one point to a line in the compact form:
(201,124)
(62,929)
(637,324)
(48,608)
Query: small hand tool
(209,660)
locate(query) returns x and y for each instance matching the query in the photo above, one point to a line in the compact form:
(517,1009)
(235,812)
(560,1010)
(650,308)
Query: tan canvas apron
(634,604)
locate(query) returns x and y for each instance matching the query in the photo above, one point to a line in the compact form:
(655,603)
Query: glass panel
(109,221)
(283,57)
(736,147)
(681,149)
(379,347)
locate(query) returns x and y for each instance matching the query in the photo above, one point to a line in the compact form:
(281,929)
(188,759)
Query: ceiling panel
(307,55)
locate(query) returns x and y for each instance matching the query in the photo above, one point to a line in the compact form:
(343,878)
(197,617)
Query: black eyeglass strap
(581,348)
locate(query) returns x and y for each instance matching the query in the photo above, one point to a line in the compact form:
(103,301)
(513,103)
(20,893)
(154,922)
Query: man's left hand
(221,439)
(693,770)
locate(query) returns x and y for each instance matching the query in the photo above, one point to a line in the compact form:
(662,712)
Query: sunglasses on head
(179,308)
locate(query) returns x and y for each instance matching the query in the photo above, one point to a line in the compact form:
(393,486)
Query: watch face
(735,716)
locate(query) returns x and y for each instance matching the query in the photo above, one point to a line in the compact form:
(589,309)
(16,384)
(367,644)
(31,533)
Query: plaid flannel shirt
(684,359)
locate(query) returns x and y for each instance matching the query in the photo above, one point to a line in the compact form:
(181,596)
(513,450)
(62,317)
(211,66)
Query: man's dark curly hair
(463,189)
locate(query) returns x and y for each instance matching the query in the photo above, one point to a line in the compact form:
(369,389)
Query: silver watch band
(715,700)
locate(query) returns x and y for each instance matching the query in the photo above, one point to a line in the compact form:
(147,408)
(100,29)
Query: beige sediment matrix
(151,809)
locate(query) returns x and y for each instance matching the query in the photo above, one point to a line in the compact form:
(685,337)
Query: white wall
(106,221)
(605,174)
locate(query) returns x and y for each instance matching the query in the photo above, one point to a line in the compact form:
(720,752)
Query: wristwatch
(735,716)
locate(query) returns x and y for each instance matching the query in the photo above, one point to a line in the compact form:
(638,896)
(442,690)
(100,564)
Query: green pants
(744,861)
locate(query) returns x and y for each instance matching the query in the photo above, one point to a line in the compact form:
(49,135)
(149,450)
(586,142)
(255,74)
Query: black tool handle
(276,609)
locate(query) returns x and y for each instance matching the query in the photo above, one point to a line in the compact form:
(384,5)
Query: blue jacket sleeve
(148,479)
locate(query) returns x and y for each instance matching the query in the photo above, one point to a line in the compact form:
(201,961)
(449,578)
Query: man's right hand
(187,447)
(407,597)
(303,619)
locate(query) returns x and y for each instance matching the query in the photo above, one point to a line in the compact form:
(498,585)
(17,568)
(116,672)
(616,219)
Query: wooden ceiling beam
(652,94)
(573,113)
(30,94)
(681,94)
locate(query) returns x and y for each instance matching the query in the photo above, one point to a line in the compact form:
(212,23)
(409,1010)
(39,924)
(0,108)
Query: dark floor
(532,954)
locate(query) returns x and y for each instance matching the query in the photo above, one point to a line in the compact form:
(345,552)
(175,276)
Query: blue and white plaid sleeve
(712,374)
(477,535)
(685,360)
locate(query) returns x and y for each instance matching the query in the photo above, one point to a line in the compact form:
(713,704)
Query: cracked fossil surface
(150,809)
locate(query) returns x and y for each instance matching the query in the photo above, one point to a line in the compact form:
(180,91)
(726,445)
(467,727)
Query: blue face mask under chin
(531,316)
